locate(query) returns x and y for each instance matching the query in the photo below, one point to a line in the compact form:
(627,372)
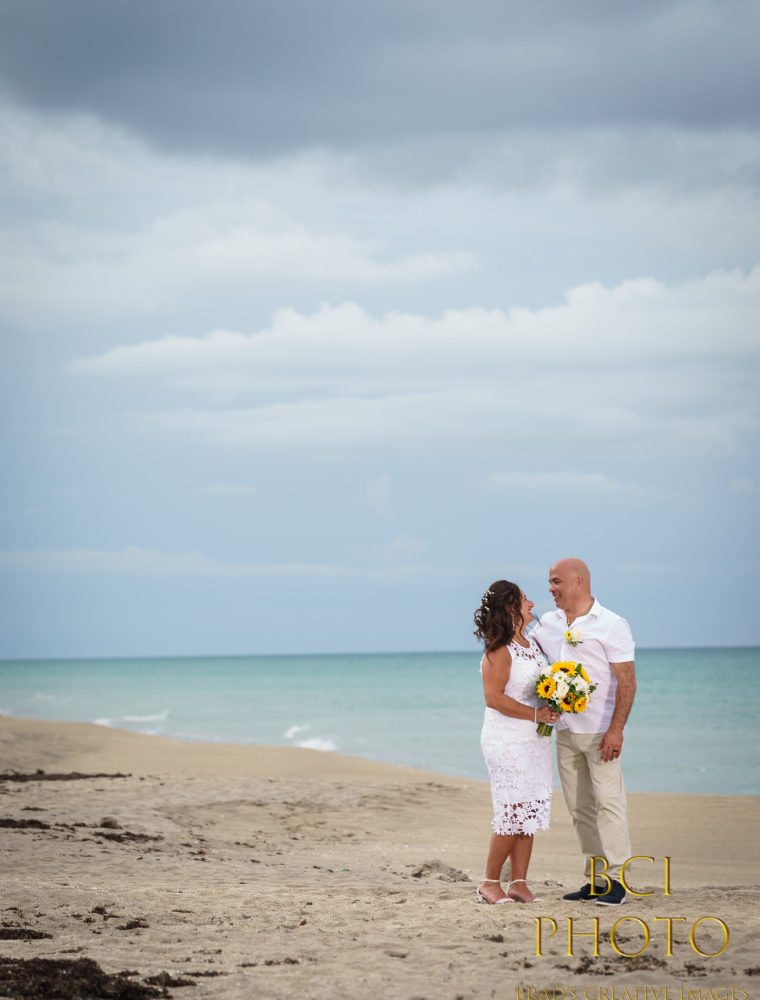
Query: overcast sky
(317,317)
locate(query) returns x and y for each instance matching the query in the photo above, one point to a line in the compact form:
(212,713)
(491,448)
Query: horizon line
(293,655)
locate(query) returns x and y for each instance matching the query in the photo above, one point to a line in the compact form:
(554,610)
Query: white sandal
(536,899)
(485,899)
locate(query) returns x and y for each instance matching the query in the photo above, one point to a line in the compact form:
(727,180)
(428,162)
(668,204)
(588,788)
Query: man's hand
(611,746)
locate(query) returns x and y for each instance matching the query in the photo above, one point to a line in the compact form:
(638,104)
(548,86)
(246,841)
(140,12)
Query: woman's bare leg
(498,851)
(520,860)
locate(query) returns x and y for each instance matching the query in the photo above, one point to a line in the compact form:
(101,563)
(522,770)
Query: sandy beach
(250,872)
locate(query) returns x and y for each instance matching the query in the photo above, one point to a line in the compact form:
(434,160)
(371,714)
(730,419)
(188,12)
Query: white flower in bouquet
(562,688)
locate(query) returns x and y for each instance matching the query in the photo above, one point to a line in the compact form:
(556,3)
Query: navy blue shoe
(614,897)
(584,893)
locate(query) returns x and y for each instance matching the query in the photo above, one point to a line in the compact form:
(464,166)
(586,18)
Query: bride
(519,761)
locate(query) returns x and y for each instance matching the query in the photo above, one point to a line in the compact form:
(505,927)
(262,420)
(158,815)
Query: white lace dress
(519,761)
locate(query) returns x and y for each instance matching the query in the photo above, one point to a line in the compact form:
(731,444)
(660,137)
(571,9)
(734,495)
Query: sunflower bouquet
(567,688)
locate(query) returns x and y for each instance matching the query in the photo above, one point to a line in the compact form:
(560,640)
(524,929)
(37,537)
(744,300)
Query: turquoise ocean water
(694,726)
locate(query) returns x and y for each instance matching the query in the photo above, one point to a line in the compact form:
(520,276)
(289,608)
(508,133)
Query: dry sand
(259,872)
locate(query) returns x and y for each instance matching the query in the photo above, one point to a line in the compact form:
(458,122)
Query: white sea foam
(103,722)
(315,743)
(295,730)
(159,717)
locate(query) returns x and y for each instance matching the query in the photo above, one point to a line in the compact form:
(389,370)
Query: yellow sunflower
(580,703)
(566,705)
(585,676)
(546,688)
(566,666)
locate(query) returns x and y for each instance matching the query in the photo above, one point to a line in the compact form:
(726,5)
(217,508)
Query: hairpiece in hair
(484,602)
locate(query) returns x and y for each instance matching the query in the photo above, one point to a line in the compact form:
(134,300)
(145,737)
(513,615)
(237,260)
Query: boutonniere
(574,637)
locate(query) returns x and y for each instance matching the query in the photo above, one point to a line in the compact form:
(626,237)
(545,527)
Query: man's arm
(611,745)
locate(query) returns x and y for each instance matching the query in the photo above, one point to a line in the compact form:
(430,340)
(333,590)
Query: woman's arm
(496,667)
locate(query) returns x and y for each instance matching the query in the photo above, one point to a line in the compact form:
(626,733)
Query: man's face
(560,585)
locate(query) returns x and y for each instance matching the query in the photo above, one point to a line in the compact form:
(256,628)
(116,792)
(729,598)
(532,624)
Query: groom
(589,745)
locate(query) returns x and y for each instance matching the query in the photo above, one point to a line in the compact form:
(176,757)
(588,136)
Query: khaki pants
(595,796)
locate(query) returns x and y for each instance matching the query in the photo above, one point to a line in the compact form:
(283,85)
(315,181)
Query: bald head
(574,568)
(570,585)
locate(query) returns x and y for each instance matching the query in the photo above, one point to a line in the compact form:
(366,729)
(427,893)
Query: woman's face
(526,608)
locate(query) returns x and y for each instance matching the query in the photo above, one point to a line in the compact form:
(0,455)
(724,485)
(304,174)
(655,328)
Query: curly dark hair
(498,617)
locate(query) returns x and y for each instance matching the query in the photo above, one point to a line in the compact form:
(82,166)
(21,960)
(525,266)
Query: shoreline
(280,872)
(213,750)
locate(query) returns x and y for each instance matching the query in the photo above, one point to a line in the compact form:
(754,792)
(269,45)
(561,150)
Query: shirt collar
(595,610)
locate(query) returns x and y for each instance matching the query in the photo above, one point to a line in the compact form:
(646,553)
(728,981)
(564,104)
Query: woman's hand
(547,714)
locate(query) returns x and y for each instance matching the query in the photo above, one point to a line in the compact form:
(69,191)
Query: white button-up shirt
(605,638)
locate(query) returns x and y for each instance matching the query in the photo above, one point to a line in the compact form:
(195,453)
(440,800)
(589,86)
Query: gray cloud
(113,229)
(269,77)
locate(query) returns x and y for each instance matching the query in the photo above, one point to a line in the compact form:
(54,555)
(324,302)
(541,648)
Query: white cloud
(642,365)
(402,423)
(92,273)
(638,324)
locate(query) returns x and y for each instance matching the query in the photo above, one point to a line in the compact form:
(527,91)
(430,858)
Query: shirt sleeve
(618,644)
(548,638)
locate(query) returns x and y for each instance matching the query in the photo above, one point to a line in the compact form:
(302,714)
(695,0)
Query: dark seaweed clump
(40,775)
(68,979)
